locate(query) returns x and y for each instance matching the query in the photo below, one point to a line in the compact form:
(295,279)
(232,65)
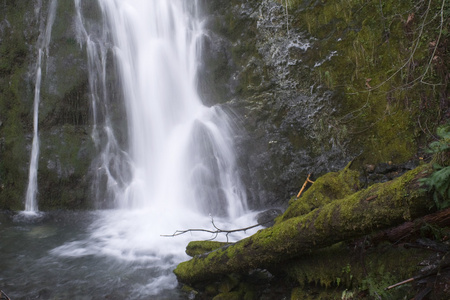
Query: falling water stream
(176,170)
(31,206)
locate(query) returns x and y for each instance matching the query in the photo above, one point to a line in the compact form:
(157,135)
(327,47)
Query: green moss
(378,69)
(299,293)
(325,267)
(200,247)
(332,271)
(234,287)
(393,194)
(211,289)
(10,57)
(190,291)
(377,207)
(66,147)
(229,283)
(229,296)
(331,186)
(63,168)
(14,110)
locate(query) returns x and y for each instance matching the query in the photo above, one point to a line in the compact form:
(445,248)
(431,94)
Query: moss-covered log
(327,188)
(199,247)
(380,206)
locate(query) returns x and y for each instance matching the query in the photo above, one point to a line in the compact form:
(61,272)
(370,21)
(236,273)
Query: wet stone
(266,218)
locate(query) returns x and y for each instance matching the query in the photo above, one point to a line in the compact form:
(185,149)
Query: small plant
(347,295)
(439,182)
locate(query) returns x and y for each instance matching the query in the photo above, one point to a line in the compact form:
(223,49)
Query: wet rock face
(253,64)
(384,172)
(64,111)
(266,218)
(18,31)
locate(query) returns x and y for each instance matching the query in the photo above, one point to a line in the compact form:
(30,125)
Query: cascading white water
(31,205)
(180,150)
(179,166)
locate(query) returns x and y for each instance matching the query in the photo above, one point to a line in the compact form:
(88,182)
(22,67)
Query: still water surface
(33,269)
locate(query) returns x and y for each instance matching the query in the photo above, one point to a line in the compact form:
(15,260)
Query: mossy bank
(317,83)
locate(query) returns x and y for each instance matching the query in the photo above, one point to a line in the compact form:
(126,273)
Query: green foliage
(438,233)
(439,182)
(441,148)
(375,284)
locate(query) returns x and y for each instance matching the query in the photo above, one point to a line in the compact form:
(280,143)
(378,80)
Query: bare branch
(214,232)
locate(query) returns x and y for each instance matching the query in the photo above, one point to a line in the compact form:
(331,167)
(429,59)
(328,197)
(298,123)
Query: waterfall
(166,161)
(31,205)
(180,153)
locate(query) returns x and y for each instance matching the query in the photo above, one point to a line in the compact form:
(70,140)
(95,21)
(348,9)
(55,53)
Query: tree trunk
(378,207)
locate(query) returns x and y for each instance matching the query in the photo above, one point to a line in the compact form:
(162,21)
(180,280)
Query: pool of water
(92,255)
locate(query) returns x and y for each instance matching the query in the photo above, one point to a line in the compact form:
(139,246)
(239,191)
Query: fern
(439,181)
(439,184)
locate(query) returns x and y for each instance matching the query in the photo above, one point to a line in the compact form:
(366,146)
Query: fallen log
(410,229)
(396,201)
(327,188)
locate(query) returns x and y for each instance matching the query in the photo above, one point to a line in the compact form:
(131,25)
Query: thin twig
(400,283)
(215,232)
